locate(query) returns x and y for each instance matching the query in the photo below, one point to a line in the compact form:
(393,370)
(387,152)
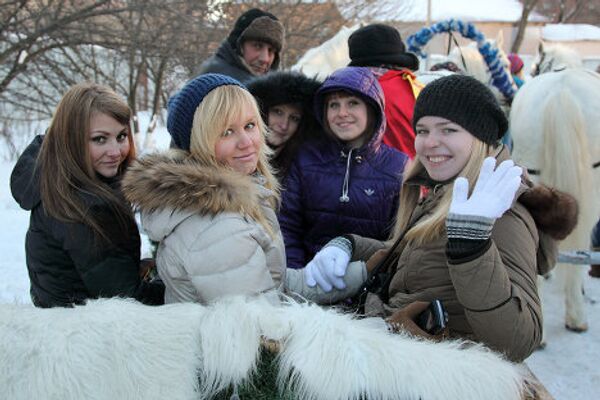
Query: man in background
(252,48)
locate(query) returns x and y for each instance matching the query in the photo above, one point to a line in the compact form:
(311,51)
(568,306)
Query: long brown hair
(64,162)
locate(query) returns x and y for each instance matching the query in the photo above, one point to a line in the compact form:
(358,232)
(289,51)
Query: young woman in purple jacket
(348,180)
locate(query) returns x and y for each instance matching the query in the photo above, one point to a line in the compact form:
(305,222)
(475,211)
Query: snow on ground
(569,366)
(14,282)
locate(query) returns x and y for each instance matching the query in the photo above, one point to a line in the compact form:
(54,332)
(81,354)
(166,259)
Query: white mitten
(327,268)
(493,194)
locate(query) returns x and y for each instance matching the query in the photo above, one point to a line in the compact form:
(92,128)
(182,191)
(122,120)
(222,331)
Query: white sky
(470,10)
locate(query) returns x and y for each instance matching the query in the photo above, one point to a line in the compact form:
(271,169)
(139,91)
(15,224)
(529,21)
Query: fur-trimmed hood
(177,184)
(554,212)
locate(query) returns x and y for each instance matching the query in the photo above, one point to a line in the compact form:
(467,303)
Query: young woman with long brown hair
(83,240)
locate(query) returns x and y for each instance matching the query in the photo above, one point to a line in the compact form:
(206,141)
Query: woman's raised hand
(494,191)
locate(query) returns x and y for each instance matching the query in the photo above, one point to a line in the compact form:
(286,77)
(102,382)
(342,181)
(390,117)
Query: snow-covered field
(569,366)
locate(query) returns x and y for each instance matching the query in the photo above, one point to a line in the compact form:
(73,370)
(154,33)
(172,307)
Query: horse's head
(469,59)
(554,58)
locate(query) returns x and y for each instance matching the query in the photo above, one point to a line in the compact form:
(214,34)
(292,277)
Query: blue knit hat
(183,105)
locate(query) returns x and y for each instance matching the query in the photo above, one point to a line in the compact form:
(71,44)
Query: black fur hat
(284,87)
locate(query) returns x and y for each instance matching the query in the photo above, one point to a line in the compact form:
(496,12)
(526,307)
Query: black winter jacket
(67,263)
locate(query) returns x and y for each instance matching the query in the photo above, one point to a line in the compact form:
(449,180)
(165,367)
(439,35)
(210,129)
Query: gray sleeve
(356,275)
(363,248)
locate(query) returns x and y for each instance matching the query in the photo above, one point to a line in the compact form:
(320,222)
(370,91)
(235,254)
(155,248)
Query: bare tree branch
(528,6)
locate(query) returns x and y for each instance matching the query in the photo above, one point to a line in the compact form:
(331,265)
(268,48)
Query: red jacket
(400,89)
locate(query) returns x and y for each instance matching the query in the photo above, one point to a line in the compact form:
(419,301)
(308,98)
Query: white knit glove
(494,191)
(327,268)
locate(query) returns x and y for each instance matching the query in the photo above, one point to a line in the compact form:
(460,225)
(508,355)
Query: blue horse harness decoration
(489,52)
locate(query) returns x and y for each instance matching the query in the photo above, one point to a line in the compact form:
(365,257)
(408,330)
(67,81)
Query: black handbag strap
(378,280)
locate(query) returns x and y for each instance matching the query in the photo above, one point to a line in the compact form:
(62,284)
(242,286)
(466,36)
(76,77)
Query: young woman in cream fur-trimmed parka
(211,203)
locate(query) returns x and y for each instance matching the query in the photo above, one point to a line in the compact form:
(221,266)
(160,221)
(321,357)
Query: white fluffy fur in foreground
(119,349)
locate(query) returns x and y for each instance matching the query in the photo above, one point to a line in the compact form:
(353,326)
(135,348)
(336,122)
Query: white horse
(469,59)
(332,54)
(555,58)
(554,124)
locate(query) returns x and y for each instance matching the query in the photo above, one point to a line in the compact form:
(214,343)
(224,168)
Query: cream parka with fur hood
(210,246)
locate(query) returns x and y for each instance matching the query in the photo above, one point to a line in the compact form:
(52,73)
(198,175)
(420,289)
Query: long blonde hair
(432,226)
(64,161)
(215,113)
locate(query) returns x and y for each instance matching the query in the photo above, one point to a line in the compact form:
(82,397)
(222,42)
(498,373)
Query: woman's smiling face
(283,121)
(347,117)
(108,144)
(442,146)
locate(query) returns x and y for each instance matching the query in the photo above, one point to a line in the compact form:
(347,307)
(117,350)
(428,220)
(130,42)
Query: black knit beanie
(465,101)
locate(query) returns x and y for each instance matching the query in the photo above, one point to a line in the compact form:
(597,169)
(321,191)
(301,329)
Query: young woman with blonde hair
(82,240)
(471,231)
(211,203)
